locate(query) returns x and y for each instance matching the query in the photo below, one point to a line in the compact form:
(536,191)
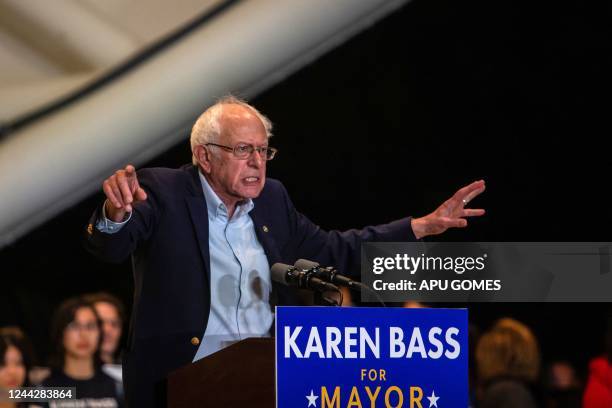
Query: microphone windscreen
(279,272)
(305,264)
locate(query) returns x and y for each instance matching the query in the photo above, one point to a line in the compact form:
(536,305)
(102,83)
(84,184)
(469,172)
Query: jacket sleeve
(341,249)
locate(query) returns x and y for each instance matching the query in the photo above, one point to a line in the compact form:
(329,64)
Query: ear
(203,155)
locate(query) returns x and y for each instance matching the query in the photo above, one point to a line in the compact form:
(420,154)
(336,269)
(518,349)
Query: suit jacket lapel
(281,294)
(199,216)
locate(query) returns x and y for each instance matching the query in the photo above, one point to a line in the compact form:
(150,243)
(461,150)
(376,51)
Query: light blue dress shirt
(240,281)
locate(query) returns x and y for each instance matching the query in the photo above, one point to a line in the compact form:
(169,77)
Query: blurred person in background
(562,387)
(15,362)
(508,363)
(111,312)
(76,335)
(598,392)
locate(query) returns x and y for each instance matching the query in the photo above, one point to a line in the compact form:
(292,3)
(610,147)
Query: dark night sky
(391,124)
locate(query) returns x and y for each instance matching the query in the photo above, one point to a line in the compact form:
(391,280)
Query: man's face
(234,179)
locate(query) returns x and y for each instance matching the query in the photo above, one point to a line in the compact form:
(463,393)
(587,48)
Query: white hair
(207,128)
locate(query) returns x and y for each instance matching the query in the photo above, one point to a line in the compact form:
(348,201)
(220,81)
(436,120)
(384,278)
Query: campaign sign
(338,357)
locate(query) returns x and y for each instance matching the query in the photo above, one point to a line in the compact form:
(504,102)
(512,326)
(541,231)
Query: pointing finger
(124,186)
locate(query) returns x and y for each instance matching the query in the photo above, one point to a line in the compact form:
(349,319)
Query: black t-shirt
(100,391)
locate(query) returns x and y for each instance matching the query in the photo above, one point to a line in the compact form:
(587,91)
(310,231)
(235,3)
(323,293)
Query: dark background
(390,124)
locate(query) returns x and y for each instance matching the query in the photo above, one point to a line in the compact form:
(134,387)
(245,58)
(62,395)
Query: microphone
(330,274)
(290,276)
(327,274)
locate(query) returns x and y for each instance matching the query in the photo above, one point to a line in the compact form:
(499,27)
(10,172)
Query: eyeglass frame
(252,149)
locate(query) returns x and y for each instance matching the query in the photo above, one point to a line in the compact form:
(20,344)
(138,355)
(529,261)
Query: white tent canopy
(61,158)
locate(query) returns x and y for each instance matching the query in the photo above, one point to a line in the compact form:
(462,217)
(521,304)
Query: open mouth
(251,180)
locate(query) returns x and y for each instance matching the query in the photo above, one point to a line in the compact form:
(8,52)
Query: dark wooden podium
(238,376)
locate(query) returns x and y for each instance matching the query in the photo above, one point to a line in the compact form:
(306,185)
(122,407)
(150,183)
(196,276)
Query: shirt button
(195,341)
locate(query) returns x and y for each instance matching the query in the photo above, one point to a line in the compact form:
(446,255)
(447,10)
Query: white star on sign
(433,400)
(312,399)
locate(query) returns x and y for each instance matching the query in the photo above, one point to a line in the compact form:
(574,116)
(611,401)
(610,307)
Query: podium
(238,376)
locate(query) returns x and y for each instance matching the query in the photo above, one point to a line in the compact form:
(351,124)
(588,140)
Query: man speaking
(203,238)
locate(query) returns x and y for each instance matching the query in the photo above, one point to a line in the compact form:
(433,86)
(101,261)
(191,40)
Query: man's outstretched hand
(451,214)
(122,191)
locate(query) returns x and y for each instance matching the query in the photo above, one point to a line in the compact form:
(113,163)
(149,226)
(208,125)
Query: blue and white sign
(333,357)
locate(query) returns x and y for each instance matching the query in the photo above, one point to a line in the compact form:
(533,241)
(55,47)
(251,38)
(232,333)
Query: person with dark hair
(112,314)
(598,392)
(15,361)
(76,338)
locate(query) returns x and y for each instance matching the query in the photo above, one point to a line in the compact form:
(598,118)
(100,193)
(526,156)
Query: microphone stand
(322,300)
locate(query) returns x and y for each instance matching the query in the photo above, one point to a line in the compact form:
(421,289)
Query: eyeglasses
(243,151)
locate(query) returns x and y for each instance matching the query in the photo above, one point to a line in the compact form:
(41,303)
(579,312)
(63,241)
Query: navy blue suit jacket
(167,237)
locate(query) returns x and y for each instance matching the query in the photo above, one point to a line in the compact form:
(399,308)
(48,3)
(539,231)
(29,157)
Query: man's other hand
(451,214)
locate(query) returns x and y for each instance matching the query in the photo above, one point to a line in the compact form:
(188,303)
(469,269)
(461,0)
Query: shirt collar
(216,208)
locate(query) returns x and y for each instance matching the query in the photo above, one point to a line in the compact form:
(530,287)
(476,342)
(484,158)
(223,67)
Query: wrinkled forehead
(241,124)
